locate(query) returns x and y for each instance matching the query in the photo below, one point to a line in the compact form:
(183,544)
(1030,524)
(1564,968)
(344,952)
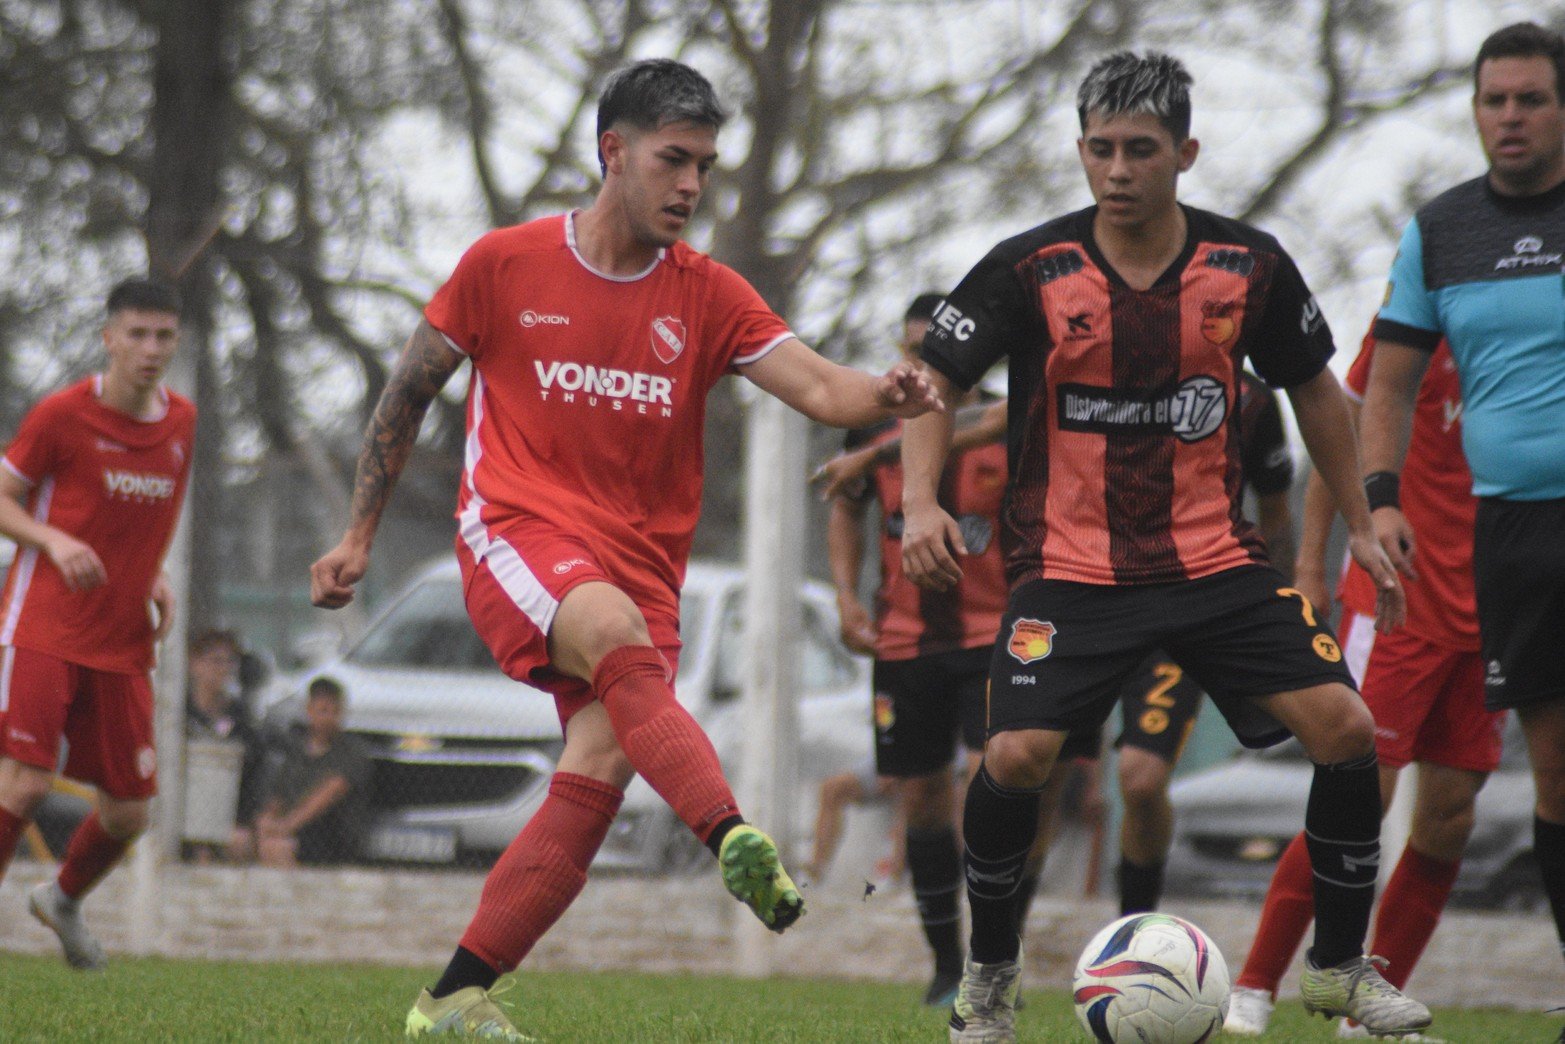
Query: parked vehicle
(463,754)
(1232,822)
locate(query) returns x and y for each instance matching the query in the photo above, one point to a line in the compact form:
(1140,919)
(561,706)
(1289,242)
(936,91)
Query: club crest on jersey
(1031,639)
(668,337)
(1217,323)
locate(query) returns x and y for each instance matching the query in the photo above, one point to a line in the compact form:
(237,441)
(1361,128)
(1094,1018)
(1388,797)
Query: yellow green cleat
(469,1012)
(753,874)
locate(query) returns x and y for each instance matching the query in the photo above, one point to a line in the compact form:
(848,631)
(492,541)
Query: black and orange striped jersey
(913,621)
(1124,435)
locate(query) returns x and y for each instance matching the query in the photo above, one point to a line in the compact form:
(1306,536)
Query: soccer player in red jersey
(594,338)
(1424,685)
(1126,325)
(90,490)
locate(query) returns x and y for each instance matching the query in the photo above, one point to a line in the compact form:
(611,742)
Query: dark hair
(923,306)
(1126,83)
(324,688)
(204,641)
(144,295)
(656,92)
(1525,40)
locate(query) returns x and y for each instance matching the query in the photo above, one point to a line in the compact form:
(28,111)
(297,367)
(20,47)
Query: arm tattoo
(423,369)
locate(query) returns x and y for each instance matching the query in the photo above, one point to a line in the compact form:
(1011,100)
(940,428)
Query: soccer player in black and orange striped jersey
(1126,325)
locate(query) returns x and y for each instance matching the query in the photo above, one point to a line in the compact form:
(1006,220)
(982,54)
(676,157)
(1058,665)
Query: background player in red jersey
(932,651)
(595,337)
(1126,325)
(1424,685)
(90,490)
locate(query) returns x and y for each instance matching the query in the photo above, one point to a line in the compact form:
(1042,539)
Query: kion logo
(668,337)
(530,319)
(130,484)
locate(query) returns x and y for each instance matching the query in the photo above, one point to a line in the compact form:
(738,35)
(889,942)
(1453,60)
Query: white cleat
(64,918)
(1249,1012)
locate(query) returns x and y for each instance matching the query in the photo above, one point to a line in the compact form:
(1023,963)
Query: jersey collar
(570,241)
(97,392)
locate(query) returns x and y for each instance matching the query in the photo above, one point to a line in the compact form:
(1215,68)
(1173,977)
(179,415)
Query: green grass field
(163,1000)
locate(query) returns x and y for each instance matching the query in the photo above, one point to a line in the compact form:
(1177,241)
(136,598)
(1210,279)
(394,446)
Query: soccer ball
(1151,978)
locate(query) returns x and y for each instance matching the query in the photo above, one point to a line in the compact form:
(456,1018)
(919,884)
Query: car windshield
(429,628)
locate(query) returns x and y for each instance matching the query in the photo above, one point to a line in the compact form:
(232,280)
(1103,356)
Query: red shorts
(1427,700)
(514,587)
(105,717)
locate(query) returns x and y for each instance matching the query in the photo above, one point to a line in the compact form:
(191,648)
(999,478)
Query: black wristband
(1383,489)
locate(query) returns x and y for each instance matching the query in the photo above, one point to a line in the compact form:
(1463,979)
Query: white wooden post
(774,535)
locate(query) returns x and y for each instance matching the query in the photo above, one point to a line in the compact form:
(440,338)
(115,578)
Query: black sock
(1548,847)
(1342,833)
(1026,888)
(466,969)
(936,870)
(714,840)
(999,824)
(1140,887)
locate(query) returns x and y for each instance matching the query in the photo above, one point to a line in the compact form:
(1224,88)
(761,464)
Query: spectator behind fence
(315,804)
(215,710)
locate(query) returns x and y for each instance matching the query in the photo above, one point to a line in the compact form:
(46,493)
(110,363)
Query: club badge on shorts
(1031,639)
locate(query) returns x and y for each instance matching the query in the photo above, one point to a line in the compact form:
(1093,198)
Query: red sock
(543,870)
(11,827)
(1290,906)
(1410,909)
(90,855)
(662,740)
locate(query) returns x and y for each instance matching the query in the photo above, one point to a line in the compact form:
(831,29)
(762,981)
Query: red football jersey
(588,396)
(913,621)
(1437,497)
(115,483)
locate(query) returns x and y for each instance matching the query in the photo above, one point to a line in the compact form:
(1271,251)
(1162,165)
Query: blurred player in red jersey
(1424,685)
(595,337)
(90,490)
(1127,324)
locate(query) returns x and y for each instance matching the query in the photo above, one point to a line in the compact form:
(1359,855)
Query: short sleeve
(1294,341)
(1408,315)
(460,308)
(36,451)
(743,327)
(1268,463)
(1357,381)
(981,320)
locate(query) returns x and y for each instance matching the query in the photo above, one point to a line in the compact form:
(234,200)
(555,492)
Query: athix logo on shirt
(668,337)
(530,319)
(137,486)
(596,385)
(1528,255)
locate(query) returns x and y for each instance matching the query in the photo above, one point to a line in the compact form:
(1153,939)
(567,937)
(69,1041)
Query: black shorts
(923,705)
(1159,707)
(1519,571)
(1066,650)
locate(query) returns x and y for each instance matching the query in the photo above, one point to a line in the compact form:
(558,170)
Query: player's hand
(905,391)
(843,475)
(928,538)
(163,602)
(1390,598)
(1396,537)
(857,626)
(333,575)
(78,564)
(1309,577)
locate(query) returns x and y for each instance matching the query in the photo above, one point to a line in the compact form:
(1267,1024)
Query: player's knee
(1142,786)
(1442,833)
(1343,729)
(1022,759)
(123,820)
(23,788)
